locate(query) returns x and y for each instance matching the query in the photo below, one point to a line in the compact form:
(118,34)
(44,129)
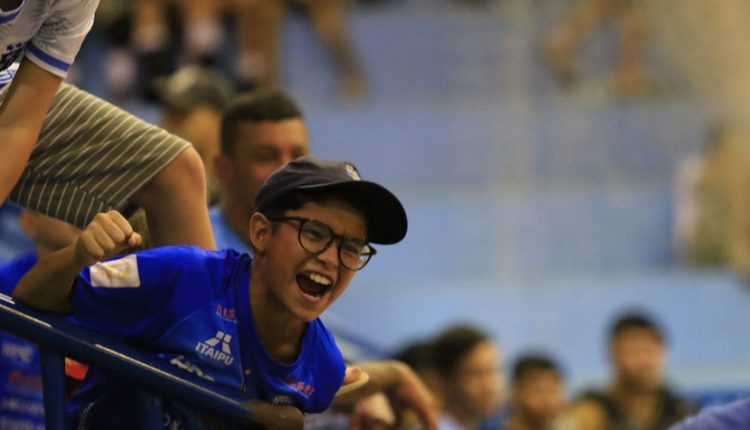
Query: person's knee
(182,177)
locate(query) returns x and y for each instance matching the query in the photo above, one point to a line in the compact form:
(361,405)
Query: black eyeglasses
(315,237)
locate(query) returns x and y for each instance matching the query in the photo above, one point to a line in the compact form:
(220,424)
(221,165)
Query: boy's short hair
(308,178)
(531,363)
(453,344)
(261,105)
(633,321)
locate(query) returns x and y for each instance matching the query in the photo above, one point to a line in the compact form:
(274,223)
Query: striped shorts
(91,156)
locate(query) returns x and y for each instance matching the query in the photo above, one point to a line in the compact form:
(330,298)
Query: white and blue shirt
(47,32)
(191,307)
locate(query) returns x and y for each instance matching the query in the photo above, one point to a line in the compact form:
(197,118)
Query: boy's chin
(307,314)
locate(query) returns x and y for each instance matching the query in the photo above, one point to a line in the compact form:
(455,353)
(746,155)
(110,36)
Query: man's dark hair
(633,321)
(260,105)
(530,363)
(418,355)
(453,344)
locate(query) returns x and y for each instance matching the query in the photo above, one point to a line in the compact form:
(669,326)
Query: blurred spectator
(637,397)
(157,35)
(419,356)
(13,241)
(538,396)
(706,44)
(713,206)
(22,404)
(260,132)
(193,99)
(393,390)
(150,38)
(467,362)
(631,76)
(263,27)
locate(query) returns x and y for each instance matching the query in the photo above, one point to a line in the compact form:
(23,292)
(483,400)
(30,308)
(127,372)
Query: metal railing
(57,339)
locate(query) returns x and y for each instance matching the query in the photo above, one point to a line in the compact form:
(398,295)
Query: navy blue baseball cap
(386,217)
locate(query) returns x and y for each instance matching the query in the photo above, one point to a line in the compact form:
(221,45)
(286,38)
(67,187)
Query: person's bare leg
(631,77)
(203,33)
(175,203)
(258,33)
(562,43)
(329,21)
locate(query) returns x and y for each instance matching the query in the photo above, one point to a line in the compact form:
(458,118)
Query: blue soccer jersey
(728,417)
(21,402)
(191,308)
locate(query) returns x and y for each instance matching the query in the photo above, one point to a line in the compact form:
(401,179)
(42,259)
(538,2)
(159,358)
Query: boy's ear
(260,231)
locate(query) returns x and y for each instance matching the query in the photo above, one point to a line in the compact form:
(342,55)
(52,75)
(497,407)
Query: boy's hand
(107,235)
(277,417)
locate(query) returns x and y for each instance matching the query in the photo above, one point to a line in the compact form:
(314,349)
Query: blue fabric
(13,241)
(52,61)
(224,235)
(22,405)
(191,308)
(10,17)
(733,416)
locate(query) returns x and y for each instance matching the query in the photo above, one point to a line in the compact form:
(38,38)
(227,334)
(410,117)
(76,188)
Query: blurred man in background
(637,397)
(260,132)
(468,363)
(22,404)
(538,396)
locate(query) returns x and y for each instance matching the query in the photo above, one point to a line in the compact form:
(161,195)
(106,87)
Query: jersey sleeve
(58,40)
(734,415)
(132,296)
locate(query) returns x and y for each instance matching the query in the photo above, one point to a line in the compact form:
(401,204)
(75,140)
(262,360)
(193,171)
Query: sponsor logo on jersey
(182,363)
(227,314)
(15,351)
(306,390)
(10,54)
(217,348)
(24,381)
(120,273)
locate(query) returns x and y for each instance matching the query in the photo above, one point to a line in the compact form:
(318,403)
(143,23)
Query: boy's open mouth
(314,284)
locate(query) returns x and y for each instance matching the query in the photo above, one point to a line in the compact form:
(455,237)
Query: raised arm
(48,285)
(21,116)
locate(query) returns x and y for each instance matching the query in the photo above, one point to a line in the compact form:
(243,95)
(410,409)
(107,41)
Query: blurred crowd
(147,40)
(477,389)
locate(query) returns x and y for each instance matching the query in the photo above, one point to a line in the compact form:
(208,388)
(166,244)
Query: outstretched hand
(107,235)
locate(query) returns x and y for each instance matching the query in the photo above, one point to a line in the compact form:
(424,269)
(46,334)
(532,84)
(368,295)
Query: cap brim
(386,217)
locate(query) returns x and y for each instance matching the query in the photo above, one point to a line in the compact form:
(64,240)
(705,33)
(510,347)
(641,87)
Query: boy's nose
(331,255)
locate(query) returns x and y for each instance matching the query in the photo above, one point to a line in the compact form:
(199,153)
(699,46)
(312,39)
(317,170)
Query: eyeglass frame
(303,220)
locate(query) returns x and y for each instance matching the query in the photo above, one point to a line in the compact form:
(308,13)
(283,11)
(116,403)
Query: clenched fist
(107,235)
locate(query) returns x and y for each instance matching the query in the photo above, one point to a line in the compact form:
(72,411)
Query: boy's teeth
(319,279)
